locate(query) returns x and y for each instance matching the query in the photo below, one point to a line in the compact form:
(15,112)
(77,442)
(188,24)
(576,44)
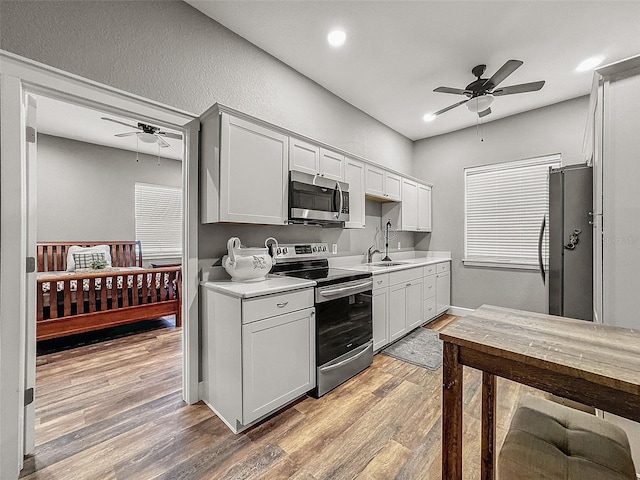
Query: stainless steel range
(344,325)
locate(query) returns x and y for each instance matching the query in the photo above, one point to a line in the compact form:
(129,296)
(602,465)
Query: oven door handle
(363,349)
(337,291)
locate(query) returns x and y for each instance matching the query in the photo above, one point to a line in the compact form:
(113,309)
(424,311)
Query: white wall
(170,52)
(86,191)
(557,128)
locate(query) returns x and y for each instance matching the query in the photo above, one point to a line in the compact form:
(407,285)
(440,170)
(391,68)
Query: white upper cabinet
(424,208)
(331,164)
(413,214)
(354,176)
(244,171)
(409,205)
(382,183)
(303,156)
(315,160)
(393,186)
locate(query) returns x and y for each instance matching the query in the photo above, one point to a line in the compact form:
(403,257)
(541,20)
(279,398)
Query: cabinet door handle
(408,284)
(282,305)
(379,282)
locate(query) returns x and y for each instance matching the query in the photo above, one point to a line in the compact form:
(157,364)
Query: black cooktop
(319,271)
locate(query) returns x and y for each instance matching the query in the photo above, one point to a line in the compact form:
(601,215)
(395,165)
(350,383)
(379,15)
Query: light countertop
(406,263)
(273,284)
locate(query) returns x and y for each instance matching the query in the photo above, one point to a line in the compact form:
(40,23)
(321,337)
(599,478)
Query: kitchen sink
(386,264)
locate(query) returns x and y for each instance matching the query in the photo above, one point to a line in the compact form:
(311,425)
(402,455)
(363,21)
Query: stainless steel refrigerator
(570,275)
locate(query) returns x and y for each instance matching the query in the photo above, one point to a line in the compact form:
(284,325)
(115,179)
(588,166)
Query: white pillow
(71,265)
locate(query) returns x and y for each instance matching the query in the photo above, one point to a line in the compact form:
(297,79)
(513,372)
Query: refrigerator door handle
(540,262)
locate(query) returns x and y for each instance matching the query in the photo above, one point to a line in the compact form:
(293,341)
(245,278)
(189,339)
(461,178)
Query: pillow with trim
(106,249)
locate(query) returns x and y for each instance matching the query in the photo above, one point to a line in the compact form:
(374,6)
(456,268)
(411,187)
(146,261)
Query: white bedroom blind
(504,207)
(158,221)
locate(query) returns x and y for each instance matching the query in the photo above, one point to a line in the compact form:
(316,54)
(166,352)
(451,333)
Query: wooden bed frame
(128,295)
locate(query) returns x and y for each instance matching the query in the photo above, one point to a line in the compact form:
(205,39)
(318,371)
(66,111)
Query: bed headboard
(52,256)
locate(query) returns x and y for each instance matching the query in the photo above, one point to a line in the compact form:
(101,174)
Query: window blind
(504,207)
(158,222)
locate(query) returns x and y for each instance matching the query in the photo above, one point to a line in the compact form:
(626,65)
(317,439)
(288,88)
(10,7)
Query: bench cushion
(550,441)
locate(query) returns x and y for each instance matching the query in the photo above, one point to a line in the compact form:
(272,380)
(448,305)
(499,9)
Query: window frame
(551,161)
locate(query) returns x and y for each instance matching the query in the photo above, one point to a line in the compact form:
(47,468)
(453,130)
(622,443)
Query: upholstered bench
(550,441)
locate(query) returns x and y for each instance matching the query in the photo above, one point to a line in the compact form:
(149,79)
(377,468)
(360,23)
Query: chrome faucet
(371,252)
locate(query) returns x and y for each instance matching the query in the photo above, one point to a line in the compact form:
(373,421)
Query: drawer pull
(282,305)
(408,284)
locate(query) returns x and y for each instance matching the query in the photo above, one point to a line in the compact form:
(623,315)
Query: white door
(397,311)
(414,304)
(272,372)
(424,208)
(409,205)
(443,291)
(380,315)
(354,176)
(31,238)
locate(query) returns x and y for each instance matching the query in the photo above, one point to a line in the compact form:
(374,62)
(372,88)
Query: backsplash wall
(213,243)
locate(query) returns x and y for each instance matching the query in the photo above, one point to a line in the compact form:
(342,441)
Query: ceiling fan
(146,133)
(481,92)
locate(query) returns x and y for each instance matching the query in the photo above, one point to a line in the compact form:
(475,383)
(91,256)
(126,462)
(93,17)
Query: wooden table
(594,364)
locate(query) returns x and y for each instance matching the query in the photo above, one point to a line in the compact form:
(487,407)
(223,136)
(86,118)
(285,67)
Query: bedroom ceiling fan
(146,133)
(481,92)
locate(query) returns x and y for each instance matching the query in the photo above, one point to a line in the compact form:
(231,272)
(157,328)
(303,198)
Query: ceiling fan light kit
(481,92)
(479,104)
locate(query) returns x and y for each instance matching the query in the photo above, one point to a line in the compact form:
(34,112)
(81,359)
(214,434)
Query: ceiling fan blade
(503,72)
(522,88)
(450,107)
(455,91)
(484,113)
(127,134)
(161,141)
(121,123)
(177,136)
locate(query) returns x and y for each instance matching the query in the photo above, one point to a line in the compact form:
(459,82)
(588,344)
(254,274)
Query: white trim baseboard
(460,311)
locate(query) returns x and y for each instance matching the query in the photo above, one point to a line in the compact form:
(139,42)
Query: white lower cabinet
(253,365)
(405,301)
(443,292)
(273,372)
(380,311)
(436,292)
(397,312)
(429,293)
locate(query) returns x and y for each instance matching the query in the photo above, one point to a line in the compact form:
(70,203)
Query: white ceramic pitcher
(248,264)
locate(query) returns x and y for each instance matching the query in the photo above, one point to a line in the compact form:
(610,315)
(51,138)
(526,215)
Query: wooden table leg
(451,413)
(488,448)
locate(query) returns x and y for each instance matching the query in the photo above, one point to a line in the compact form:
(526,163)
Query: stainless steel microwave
(316,200)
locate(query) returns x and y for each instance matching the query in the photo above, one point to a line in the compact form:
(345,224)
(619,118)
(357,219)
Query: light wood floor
(114,411)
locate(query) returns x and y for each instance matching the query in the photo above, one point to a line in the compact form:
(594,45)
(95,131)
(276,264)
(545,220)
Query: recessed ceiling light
(336,38)
(429,117)
(589,64)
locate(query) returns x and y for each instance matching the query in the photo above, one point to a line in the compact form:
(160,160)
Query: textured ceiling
(397,52)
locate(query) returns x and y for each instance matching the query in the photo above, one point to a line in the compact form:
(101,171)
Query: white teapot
(248,264)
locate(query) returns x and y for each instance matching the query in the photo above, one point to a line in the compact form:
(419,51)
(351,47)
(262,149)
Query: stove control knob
(285,250)
(314,248)
(279,251)
(324,248)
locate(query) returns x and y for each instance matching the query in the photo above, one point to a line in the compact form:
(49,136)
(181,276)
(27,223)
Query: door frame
(18,76)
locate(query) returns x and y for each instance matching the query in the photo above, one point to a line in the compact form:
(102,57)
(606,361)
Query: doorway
(18,78)
(117,182)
